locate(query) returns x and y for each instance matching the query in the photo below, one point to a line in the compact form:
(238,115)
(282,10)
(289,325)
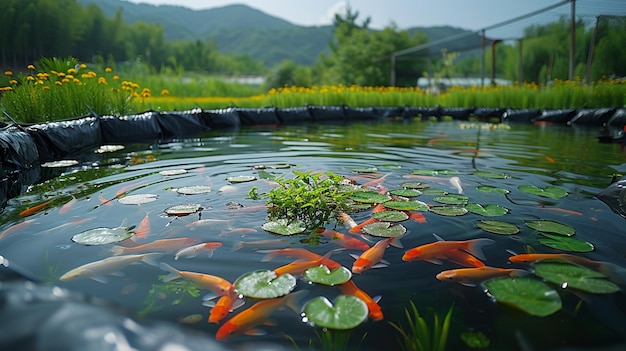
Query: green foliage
(171,292)
(314,199)
(418,335)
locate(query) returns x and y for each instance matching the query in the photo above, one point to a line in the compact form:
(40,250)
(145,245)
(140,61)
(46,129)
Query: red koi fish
(359,227)
(195,250)
(343,240)
(16,227)
(473,276)
(248,319)
(218,285)
(375,312)
(416,216)
(376,181)
(68,205)
(299,266)
(143,229)
(32,210)
(435,252)
(372,257)
(104,201)
(163,245)
(300,253)
(224,305)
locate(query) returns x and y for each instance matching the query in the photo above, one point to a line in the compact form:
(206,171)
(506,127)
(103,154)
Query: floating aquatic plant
(529,295)
(345,312)
(418,335)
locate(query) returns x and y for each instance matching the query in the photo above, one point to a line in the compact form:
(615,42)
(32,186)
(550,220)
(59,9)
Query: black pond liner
(38,317)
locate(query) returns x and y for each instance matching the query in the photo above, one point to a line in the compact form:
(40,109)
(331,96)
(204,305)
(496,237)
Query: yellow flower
(71,71)
(108,70)
(60,74)
(165,92)
(58,83)
(39,81)
(31,78)
(75,80)
(102,80)
(116,77)
(12,81)
(65,80)
(69,76)
(30,67)
(82,65)
(45,87)
(8,73)
(5,88)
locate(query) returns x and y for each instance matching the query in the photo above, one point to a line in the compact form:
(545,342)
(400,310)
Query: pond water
(90,195)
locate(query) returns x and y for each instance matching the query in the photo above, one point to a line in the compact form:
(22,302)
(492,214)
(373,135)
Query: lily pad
(390,216)
(475,339)
(173,172)
(552,192)
(498,227)
(323,275)
(137,199)
(384,229)
(103,236)
(194,190)
(452,199)
(265,284)
(369,197)
(565,243)
(108,148)
(241,179)
(492,189)
(450,211)
(577,277)
(548,226)
(406,205)
(435,192)
(405,192)
(183,210)
(415,185)
(346,312)
(437,172)
(529,295)
(284,226)
(489,210)
(491,175)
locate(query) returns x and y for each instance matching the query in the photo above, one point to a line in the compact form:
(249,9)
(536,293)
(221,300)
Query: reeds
(418,335)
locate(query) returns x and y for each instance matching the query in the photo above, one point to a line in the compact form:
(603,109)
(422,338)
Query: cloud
(339,8)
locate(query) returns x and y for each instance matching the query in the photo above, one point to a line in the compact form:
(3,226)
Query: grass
(418,335)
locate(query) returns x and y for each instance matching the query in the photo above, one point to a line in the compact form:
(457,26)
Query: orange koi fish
(248,319)
(416,216)
(376,181)
(579,260)
(224,305)
(163,245)
(68,205)
(343,240)
(32,210)
(104,201)
(218,285)
(464,259)
(375,312)
(16,227)
(143,229)
(347,221)
(473,276)
(438,250)
(372,257)
(299,266)
(359,227)
(300,253)
(195,250)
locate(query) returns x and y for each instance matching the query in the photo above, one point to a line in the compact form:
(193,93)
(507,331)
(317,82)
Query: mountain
(242,30)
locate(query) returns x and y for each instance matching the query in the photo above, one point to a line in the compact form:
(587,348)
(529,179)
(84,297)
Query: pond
(520,176)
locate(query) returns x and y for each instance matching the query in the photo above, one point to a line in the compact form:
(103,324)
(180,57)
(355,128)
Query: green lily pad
(390,216)
(415,185)
(492,189)
(405,192)
(406,205)
(346,312)
(137,199)
(475,340)
(265,175)
(369,197)
(572,276)
(284,226)
(498,227)
(548,226)
(452,199)
(323,275)
(491,175)
(357,206)
(449,211)
(194,190)
(565,243)
(435,192)
(529,295)
(264,284)
(552,192)
(183,210)
(241,179)
(103,236)
(489,210)
(384,229)
(437,172)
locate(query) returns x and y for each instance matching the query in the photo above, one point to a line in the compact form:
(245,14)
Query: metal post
(572,41)
(482,62)
(392,74)
(520,62)
(591,49)
(493,60)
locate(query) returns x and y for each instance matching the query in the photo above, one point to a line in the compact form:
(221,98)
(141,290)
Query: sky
(467,14)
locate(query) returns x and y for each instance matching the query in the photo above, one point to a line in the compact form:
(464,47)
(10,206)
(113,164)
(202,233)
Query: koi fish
(416,216)
(224,305)
(218,285)
(193,251)
(208,223)
(16,227)
(163,245)
(438,250)
(75,223)
(473,276)
(347,221)
(298,253)
(241,231)
(343,240)
(248,319)
(68,205)
(112,265)
(372,257)
(190,319)
(456,183)
(375,181)
(259,243)
(143,229)
(104,201)
(375,312)
(32,210)
(359,227)
(299,266)
(464,259)
(613,271)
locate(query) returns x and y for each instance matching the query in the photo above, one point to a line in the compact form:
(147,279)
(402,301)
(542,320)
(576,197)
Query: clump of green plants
(173,291)
(418,335)
(314,199)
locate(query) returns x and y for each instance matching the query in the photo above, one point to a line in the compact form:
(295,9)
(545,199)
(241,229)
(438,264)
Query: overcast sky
(467,14)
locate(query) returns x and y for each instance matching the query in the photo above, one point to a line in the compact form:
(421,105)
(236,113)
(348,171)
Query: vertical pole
(482,62)
(520,62)
(572,40)
(493,60)
(392,74)
(591,49)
